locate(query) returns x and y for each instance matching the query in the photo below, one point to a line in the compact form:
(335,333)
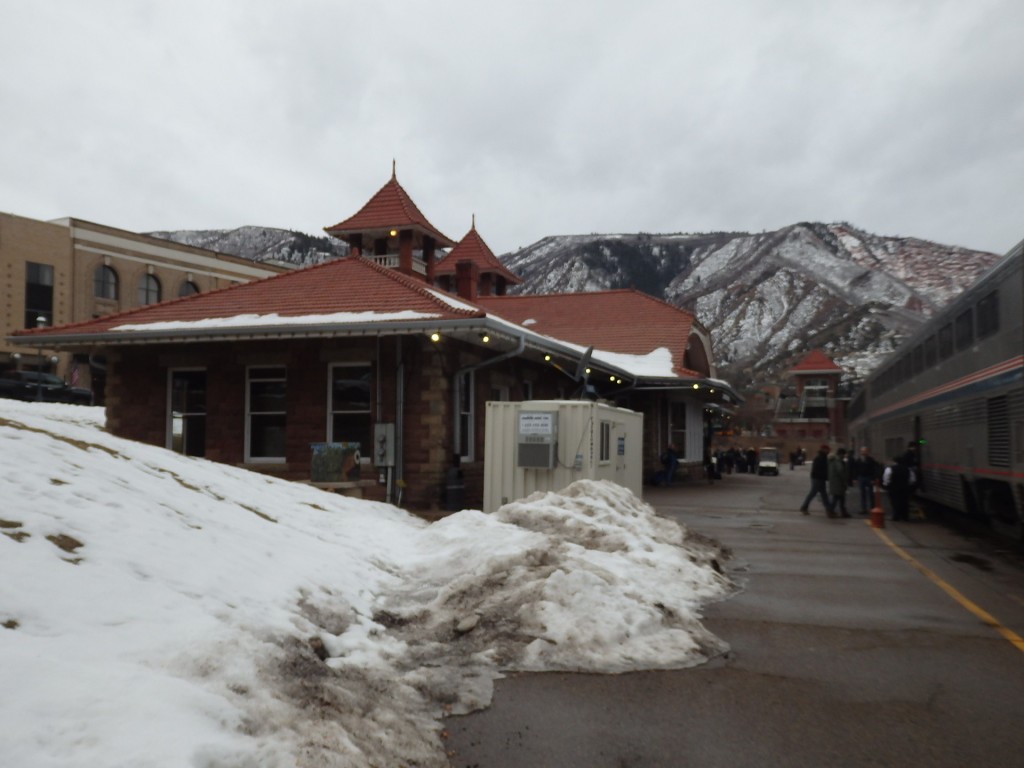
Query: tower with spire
(391,230)
(471,269)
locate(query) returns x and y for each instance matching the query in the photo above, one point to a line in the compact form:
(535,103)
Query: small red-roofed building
(817,411)
(391,354)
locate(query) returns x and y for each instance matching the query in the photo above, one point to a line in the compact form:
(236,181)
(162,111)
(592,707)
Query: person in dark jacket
(867,471)
(819,481)
(898,480)
(913,461)
(670,462)
(838,480)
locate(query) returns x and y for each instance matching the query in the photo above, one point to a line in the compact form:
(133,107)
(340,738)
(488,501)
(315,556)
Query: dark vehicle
(954,394)
(33,385)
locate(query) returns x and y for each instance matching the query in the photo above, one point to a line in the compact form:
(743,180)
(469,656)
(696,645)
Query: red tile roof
(351,284)
(473,248)
(621,321)
(816,361)
(390,208)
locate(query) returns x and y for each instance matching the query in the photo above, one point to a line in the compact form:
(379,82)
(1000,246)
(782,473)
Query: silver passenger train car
(956,390)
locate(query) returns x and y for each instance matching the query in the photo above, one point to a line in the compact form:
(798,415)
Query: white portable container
(545,445)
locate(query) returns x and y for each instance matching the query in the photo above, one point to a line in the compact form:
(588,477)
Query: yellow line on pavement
(950,590)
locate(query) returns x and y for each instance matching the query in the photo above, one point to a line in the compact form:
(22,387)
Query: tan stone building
(69,270)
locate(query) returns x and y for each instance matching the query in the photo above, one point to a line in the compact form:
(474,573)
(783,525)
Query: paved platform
(849,647)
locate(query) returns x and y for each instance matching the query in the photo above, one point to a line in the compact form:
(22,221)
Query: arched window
(149,289)
(696,356)
(105,283)
(188,288)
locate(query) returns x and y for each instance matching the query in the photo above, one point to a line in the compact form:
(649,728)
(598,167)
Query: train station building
(390,354)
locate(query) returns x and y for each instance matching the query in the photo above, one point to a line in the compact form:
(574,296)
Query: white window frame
(677,436)
(366,451)
(467,395)
(170,406)
(249,458)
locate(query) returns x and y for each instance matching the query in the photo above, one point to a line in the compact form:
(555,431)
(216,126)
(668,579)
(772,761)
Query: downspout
(457,389)
(395,477)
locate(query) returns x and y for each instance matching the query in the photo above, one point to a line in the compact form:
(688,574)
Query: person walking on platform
(819,481)
(838,480)
(867,472)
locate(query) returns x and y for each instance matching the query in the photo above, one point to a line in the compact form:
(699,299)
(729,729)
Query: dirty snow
(159,610)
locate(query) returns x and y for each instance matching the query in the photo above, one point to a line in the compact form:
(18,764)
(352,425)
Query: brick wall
(137,402)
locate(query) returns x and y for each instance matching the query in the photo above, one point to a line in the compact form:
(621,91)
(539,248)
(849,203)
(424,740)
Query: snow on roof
(274,319)
(654,365)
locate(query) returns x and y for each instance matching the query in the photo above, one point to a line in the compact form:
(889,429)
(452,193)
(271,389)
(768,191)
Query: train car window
(988,315)
(931,351)
(918,359)
(945,341)
(964,330)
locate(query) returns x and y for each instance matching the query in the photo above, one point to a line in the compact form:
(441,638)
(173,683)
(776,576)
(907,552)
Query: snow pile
(159,610)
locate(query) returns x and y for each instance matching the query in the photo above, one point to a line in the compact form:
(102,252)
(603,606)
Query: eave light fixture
(435,336)
(394,233)
(485,339)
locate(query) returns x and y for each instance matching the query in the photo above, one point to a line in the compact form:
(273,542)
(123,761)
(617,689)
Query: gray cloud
(539,117)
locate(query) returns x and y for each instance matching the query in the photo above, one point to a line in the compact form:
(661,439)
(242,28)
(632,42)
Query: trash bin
(454,490)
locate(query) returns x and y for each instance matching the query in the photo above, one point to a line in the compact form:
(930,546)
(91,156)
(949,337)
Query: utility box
(546,445)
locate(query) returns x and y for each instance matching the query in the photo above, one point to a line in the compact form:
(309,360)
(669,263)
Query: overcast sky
(903,117)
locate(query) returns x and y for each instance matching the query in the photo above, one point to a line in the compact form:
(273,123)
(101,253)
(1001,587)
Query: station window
(38,294)
(677,426)
(351,421)
(467,413)
(266,405)
(187,429)
(105,284)
(149,290)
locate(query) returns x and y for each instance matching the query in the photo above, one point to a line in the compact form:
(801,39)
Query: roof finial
(394,175)
(474,222)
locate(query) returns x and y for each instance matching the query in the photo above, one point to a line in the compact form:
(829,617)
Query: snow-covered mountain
(766,298)
(769,298)
(261,244)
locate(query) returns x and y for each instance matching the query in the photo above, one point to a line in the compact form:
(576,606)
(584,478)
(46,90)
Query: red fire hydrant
(877,513)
